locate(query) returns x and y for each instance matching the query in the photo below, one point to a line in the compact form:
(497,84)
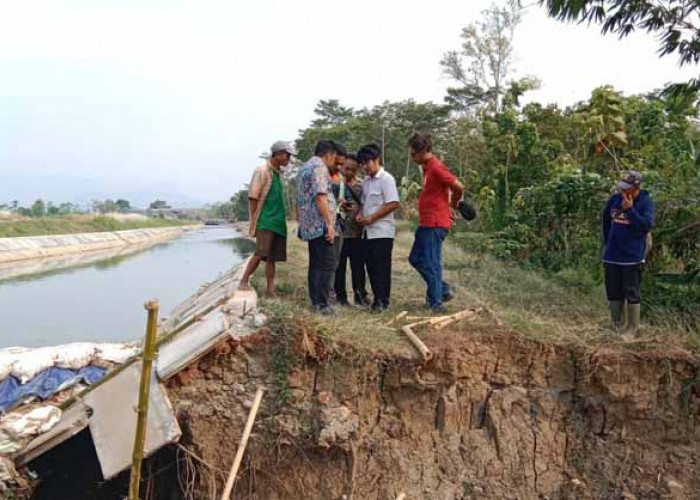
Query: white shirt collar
(379,175)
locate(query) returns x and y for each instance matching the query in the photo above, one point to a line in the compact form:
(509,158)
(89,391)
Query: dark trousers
(623,282)
(321,268)
(353,249)
(378,255)
(426,258)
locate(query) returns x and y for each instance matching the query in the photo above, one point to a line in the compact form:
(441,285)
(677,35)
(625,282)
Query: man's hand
(330,234)
(364,221)
(627,201)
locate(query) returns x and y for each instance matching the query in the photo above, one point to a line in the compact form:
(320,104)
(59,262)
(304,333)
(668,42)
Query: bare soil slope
(492,416)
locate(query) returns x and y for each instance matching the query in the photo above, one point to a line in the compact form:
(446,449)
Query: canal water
(103,301)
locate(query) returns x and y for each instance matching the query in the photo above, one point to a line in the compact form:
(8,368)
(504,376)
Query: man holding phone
(628,218)
(316,209)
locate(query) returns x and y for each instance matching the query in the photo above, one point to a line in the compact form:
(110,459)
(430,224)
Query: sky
(147,99)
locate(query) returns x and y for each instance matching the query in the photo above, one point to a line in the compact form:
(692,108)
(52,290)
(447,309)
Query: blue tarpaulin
(46,384)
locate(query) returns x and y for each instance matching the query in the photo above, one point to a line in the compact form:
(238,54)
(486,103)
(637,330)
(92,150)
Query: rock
(338,424)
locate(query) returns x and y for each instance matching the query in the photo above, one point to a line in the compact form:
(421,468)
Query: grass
(78,224)
(519,300)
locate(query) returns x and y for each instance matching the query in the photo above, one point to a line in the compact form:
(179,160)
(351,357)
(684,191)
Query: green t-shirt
(273,216)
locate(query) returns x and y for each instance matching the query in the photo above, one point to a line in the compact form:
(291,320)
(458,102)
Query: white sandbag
(6,361)
(30,363)
(116,353)
(74,356)
(17,427)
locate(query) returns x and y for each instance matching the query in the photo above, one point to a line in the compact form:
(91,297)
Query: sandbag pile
(32,381)
(24,364)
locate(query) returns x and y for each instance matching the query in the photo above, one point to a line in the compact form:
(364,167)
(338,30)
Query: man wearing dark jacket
(627,220)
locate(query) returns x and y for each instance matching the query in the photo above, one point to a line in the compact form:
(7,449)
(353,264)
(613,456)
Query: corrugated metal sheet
(192,343)
(113,423)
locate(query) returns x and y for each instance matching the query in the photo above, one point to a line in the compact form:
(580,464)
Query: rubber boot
(633,318)
(616,308)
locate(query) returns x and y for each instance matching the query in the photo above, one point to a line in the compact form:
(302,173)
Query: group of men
(344,218)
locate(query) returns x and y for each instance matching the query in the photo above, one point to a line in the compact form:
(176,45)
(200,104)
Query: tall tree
(484,62)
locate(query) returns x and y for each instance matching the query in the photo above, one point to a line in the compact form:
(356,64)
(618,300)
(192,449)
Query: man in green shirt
(268,218)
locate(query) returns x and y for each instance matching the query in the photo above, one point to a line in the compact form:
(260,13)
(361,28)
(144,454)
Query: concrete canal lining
(41,247)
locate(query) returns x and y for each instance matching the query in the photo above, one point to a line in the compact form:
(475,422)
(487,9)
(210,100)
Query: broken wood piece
(417,343)
(400,316)
(455,318)
(242,446)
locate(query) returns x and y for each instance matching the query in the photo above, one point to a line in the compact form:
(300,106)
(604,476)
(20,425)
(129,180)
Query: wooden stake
(241,447)
(418,344)
(149,354)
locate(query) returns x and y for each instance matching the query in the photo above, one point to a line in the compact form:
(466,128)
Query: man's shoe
(440,309)
(448,297)
(379,308)
(362,301)
(326,311)
(344,303)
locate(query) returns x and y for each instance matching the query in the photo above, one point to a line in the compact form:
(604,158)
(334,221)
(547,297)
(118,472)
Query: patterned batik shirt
(313,179)
(352,228)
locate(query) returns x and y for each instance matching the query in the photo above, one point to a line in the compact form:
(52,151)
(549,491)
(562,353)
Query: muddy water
(103,300)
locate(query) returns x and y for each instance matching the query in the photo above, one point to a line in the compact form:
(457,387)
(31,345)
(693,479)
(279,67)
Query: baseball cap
(631,179)
(285,146)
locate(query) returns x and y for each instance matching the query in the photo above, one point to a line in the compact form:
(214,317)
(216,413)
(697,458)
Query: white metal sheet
(113,422)
(192,343)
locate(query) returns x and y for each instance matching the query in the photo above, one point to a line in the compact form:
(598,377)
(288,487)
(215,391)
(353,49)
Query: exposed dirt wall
(490,417)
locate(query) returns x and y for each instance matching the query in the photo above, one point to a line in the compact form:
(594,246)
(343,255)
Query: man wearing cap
(268,218)
(627,220)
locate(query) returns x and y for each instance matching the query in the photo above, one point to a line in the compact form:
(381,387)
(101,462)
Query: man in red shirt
(440,190)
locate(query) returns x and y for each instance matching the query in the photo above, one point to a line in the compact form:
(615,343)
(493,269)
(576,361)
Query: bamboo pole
(149,354)
(241,447)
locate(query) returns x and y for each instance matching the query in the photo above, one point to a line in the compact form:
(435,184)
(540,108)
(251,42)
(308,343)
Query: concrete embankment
(40,247)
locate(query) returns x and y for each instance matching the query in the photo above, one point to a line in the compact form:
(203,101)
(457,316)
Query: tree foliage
(675,22)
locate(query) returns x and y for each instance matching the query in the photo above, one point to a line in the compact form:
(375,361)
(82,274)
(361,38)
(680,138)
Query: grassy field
(78,224)
(514,299)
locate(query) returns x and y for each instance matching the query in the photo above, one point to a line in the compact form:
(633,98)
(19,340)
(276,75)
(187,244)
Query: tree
(675,22)
(239,203)
(123,205)
(38,208)
(105,207)
(159,204)
(484,62)
(330,113)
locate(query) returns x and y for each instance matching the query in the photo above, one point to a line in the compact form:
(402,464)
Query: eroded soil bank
(490,417)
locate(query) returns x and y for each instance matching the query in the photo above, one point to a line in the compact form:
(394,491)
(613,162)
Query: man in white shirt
(380,199)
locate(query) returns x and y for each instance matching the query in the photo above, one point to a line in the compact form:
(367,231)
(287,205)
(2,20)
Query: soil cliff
(491,416)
